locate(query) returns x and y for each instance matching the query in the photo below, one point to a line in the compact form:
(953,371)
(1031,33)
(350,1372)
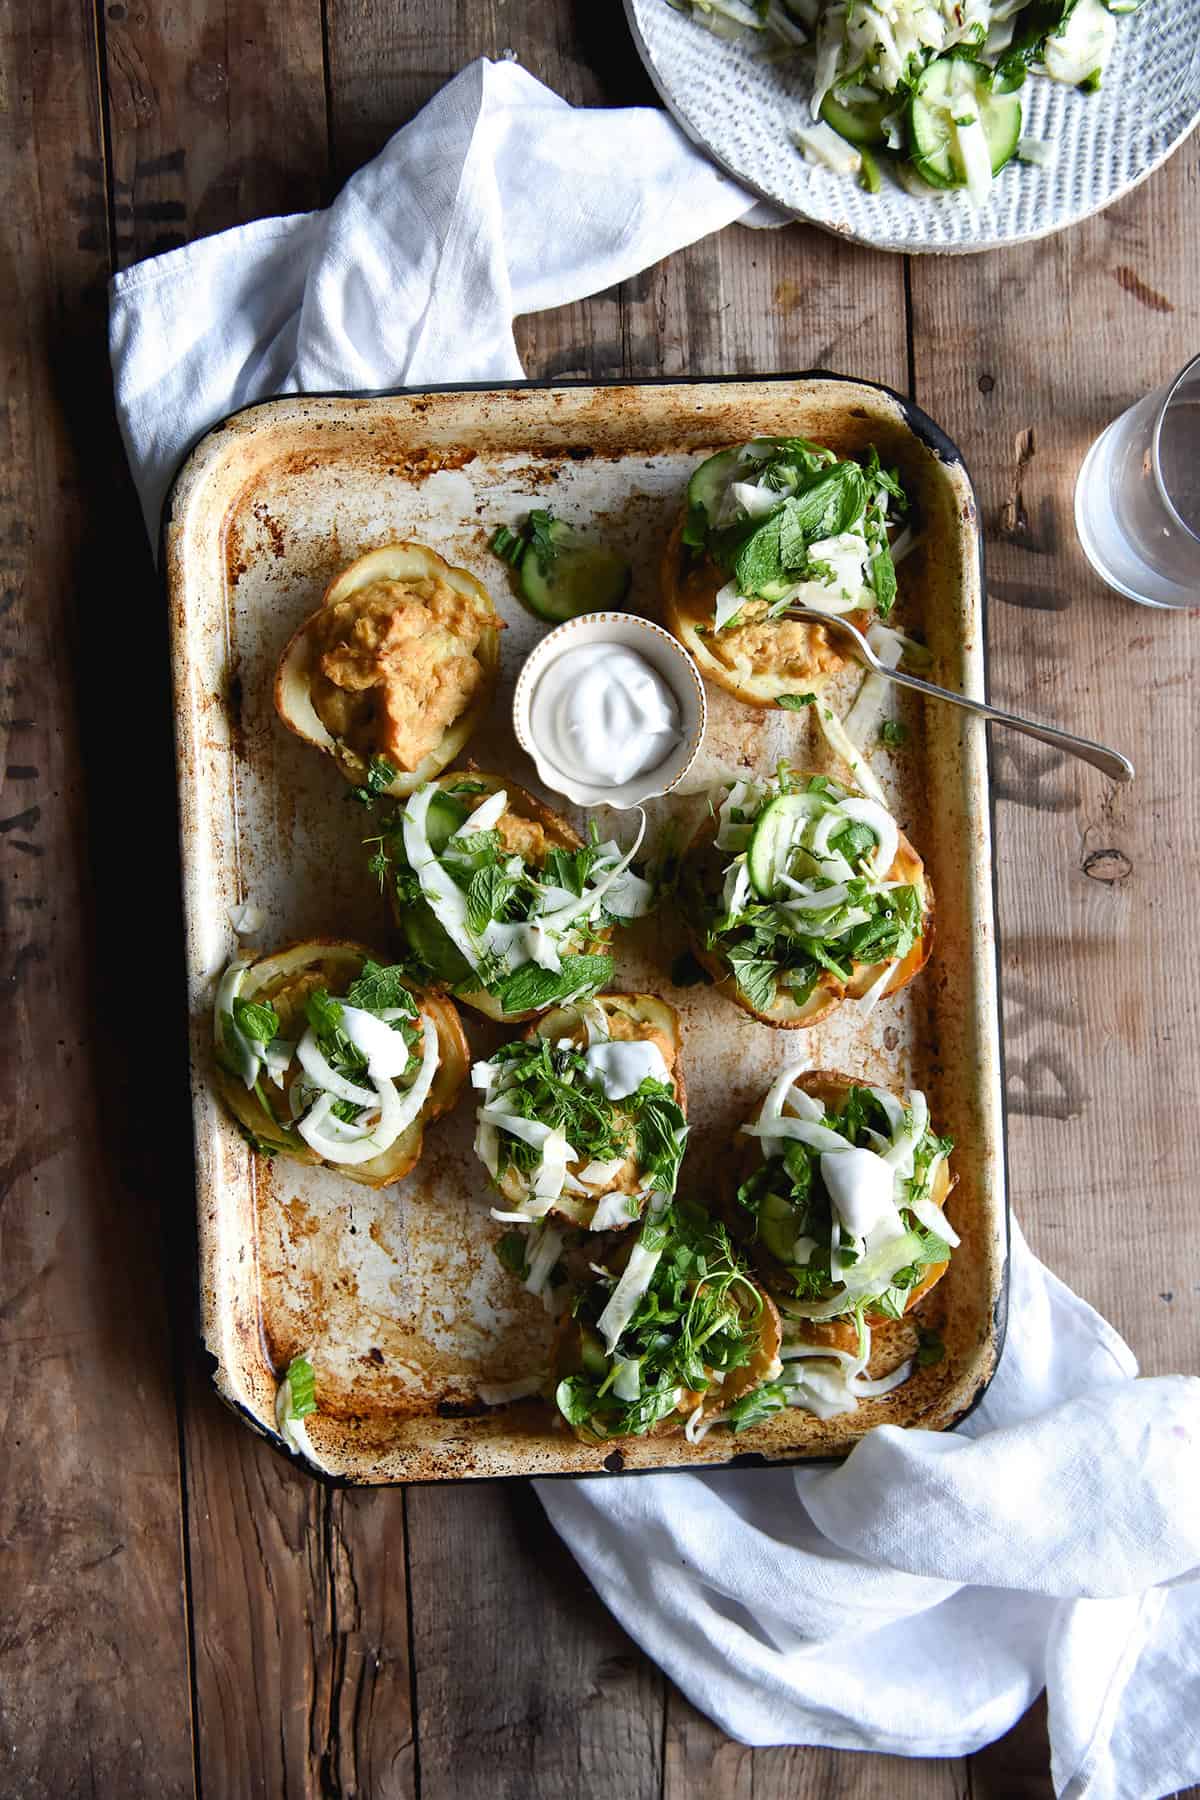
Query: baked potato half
(837,1190)
(712,1341)
(394,670)
(326,1056)
(498,899)
(769,525)
(799,894)
(582,1119)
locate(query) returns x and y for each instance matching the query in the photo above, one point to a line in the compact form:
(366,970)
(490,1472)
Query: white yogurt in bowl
(611,708)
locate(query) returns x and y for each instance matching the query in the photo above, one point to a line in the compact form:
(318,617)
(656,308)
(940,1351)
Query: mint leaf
(302,1398)
(380,776)
(883,580)
(531,987)
(757,979)
(759,562)
(378,990)
(489,888)
(833,504)
(256,1019)
(757,1405)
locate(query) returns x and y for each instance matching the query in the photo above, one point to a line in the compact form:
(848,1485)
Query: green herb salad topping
(678,1324)
(798,885)
(480,916)
(930,88)
(793,525)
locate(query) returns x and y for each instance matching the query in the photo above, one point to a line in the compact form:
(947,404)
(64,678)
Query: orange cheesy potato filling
(395,666)
(787,648)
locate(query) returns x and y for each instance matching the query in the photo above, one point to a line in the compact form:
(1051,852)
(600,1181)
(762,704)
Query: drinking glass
(1137,497)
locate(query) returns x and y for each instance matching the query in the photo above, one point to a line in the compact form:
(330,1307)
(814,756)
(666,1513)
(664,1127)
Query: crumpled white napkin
(916,1598)
(499,199)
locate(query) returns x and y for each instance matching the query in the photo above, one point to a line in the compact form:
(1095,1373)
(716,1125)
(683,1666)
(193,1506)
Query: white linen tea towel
(916,1598)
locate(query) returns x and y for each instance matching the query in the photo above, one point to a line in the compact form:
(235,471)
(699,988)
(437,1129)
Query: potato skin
(561,835)
(329,961)
(830,1087)
(562,1021)
(828,993)
(567,1360)
(688,592)
(293,675)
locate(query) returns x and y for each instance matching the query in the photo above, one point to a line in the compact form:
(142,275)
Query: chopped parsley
(893,733)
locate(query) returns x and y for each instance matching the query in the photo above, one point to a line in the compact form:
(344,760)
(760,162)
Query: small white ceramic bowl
(665,655)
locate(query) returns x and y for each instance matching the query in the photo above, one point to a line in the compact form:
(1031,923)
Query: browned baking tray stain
(398,1294)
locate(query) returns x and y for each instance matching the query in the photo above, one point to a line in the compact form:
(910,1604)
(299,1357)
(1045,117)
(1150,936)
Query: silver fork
(1109,762)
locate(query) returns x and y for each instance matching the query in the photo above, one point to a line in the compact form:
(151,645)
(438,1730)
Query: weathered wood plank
(1024,357)
(92,1598)
(527,1689)
(301,1666)
(703,1764)
(217,112)
(301,1623)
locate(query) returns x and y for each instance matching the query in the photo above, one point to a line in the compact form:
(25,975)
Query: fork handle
(1109,762)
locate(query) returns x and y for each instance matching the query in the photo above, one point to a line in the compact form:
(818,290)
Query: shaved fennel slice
(543,1254)
(835,735)
(445,898)
(486,815)
(622,1302)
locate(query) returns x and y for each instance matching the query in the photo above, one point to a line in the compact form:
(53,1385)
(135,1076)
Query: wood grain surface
(181,1610)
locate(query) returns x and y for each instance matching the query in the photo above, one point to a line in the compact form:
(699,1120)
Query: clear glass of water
(1137,497)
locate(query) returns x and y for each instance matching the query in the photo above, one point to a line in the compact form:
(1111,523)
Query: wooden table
(179,1608)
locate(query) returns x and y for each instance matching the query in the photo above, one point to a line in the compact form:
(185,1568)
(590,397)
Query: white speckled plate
(738,106)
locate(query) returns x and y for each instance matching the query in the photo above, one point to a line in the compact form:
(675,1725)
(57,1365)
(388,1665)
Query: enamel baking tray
(398,1294)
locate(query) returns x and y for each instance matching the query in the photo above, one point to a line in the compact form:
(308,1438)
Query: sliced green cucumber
(859,122)
(943,88)
(592,1353)
(775,831)
(443,819)
(579,578)
(777,1226)
(430,945)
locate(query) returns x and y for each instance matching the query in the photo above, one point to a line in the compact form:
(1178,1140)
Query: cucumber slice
(859,123)
(581,578)
(775,832)
(777,1226)
(429,943)
(443,819)
(933,139)
(592,1353)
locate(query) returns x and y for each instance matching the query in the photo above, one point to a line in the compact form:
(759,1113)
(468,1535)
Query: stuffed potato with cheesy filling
(583,1119)
(770,525)
(800,894)
(395,669)
(838,1191)
(326,1056)
(673,1333)
(499,899)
